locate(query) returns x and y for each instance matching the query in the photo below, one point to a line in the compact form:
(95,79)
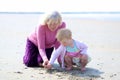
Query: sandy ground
(102,37)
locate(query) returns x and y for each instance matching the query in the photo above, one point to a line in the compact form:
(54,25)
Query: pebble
(19,72)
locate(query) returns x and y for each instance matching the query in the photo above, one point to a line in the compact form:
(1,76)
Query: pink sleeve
(57,44)
(41,41)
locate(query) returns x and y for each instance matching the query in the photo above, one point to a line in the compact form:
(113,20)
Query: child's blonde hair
(63,34)
(51,17)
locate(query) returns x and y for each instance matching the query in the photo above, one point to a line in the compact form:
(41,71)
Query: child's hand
(49,66)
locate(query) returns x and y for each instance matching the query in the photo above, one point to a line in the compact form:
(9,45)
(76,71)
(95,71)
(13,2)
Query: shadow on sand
(76,74)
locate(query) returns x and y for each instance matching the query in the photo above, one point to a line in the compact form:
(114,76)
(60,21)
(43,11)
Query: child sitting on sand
(70,52)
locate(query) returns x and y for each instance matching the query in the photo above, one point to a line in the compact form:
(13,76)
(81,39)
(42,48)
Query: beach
(101,35)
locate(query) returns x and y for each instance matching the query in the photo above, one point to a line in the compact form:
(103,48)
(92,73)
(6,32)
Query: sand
(101,36)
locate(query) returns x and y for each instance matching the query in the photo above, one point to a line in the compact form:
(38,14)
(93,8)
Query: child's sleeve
(83,48)
(55,55)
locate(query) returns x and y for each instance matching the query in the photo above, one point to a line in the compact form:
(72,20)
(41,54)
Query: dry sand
(102,37)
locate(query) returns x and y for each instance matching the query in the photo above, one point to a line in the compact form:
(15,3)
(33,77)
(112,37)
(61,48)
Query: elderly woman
(41,43)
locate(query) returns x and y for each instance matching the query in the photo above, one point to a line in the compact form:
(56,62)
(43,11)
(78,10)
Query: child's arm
(82,46)
(54,56)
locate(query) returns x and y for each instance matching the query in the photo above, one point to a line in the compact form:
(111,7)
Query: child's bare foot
(83,69)
(68,68)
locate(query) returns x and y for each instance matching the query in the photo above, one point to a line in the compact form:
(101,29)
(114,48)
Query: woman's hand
(45,63)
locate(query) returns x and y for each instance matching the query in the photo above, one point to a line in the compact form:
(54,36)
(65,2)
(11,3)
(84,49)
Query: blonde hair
(51,17)
(63,34)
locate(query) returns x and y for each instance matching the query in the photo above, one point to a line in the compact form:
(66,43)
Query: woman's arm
(41,42)
(57,43)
